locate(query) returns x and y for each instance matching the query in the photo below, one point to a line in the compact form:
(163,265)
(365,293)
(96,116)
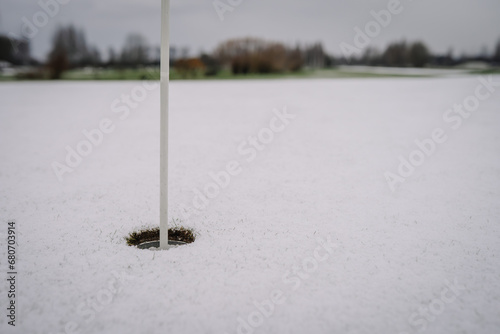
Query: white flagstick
(165,70)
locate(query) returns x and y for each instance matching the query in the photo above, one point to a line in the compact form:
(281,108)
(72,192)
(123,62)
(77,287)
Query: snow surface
(322,177)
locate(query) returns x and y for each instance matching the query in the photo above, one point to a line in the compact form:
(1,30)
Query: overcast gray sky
(467,26)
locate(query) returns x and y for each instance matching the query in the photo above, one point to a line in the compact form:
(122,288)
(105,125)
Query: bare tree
(112,58)
(371,56)
(295,59)
(58,62)
(252,55)
(396,54)
(63,43)
(15,51)
(135,51)
(70,50)
(315,56)
(419,55)
(496,56)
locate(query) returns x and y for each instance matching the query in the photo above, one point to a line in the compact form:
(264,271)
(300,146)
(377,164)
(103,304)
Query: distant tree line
(70,50)
(416,54)
(251,55)
(397,54)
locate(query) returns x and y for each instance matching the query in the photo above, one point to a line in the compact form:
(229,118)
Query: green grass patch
(111,74)
(7,78)
(487,71)
(154,74)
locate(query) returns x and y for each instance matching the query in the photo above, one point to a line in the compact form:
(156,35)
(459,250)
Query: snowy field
(311,230)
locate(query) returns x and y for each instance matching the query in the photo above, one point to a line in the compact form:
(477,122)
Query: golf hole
(150,238)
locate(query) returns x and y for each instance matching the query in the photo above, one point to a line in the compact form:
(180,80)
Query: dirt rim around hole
(153,234)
